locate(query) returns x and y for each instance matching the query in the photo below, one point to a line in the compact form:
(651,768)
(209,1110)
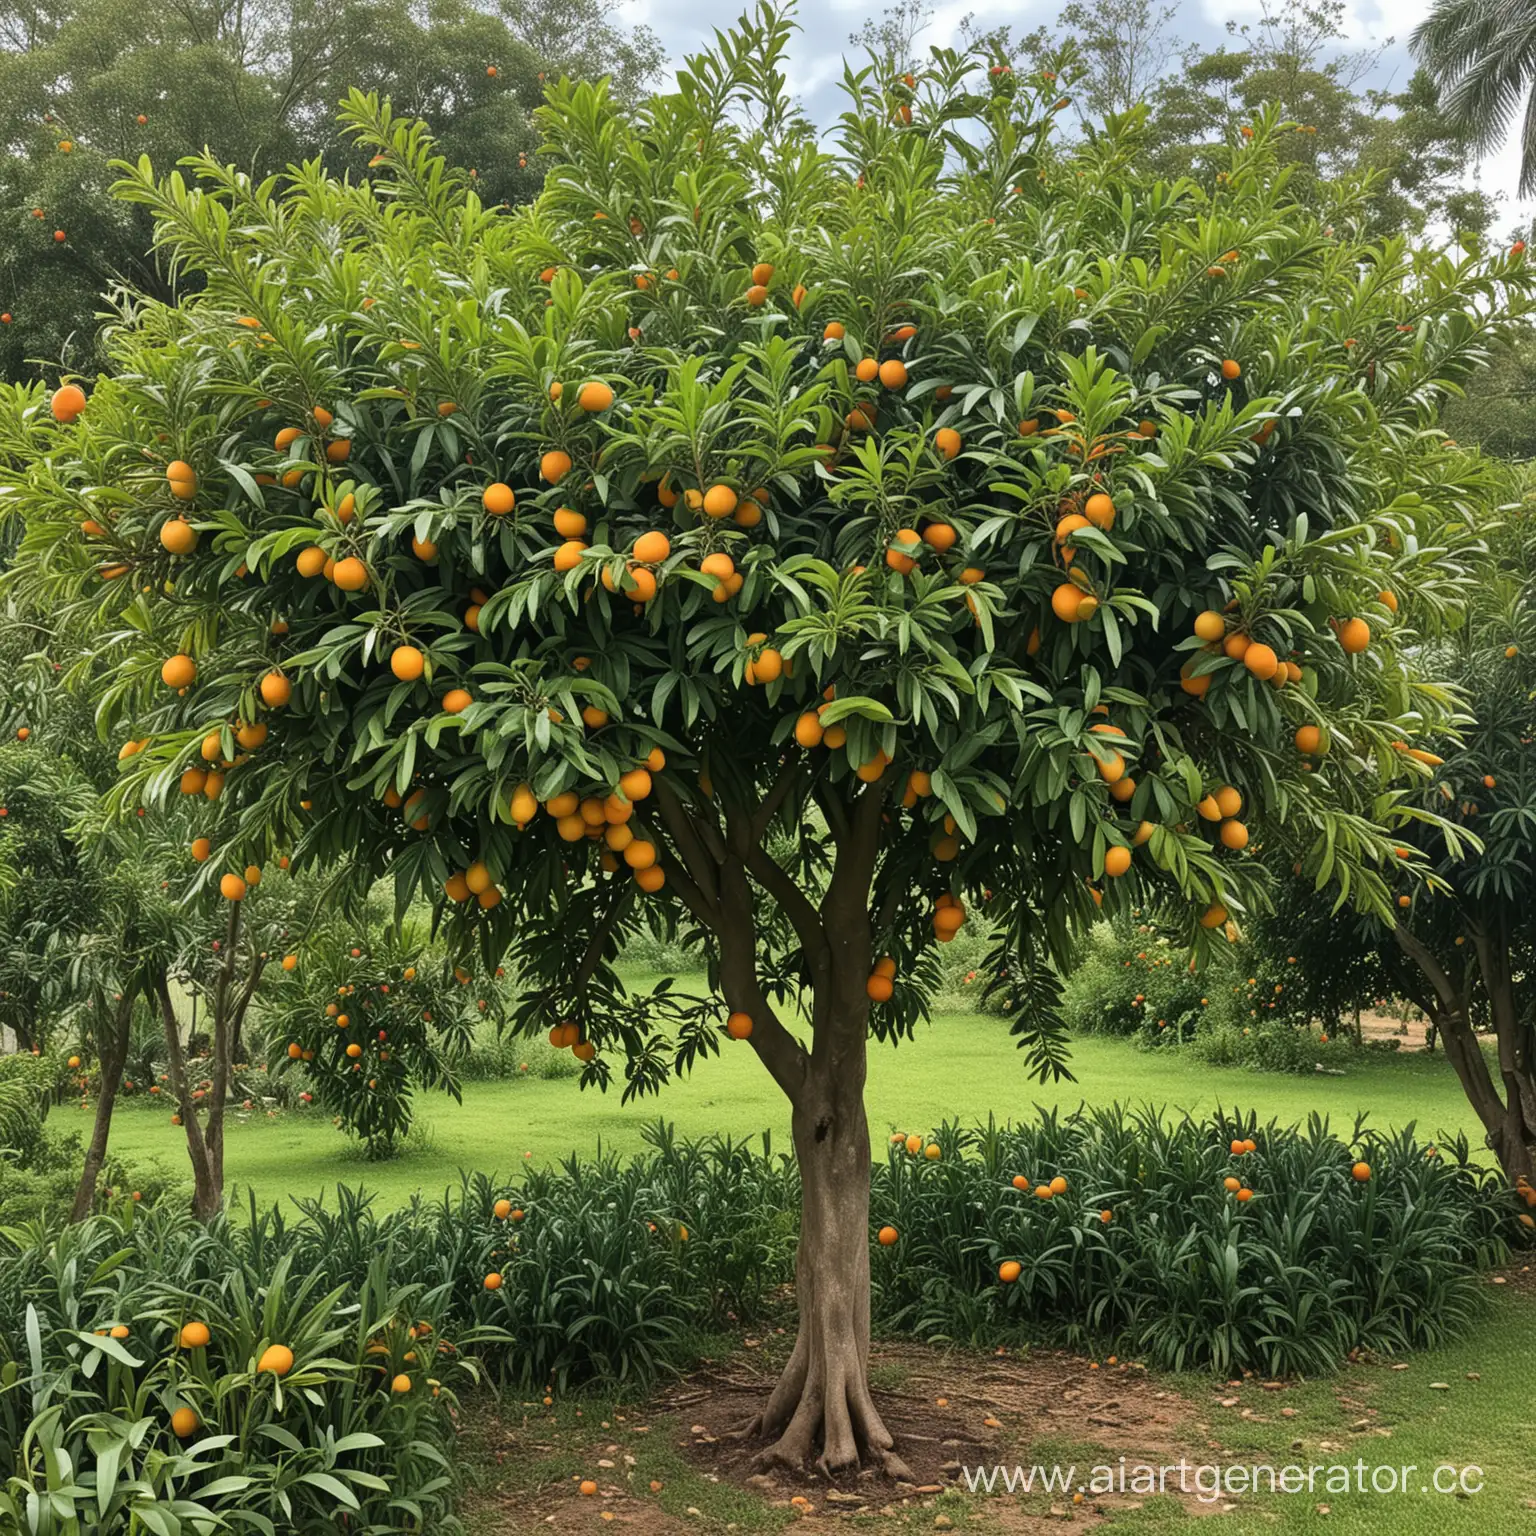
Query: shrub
(494,1055)
(1184,1273)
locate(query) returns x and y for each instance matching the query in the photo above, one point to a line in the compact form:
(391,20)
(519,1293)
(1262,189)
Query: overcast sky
(685,25)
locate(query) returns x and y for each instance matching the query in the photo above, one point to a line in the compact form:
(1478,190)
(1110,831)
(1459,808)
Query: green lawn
(960,1067)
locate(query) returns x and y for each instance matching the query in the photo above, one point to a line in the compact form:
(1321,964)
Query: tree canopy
(805,547)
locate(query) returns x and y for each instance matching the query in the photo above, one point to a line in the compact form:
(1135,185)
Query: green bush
(1146,1249)
(494,1055)
(609,1271)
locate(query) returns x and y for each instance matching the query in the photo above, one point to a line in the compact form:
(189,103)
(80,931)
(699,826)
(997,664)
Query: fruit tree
(807,548)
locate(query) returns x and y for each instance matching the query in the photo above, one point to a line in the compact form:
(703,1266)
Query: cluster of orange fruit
(915,1145)
(603,817)
(567,1036)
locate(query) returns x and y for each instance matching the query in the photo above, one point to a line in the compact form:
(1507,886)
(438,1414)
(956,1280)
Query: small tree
(804,547)
(373,1015)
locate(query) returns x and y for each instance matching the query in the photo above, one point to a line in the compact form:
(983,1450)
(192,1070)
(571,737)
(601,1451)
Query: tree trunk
(114,1057)
(822,1403)
(821,1406)
(1451,1015)
(207,1192)
(1517,1131)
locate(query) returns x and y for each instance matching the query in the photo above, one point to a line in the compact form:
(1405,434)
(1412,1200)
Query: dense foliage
(255,86)
(804,547)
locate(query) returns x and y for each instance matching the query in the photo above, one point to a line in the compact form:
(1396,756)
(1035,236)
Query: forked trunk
(114,1057)
(821,1407)
(207,1189)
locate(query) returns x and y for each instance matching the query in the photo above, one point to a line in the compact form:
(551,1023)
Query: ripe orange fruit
(1310,739)
(947,441)
(184,1423)
(555,465)
(588,1488)
(1354,636)
(594,396)
(1388,600)
(888,1235)
(569,524)
(879,988)
(1261,661)
(194,1336)
(834,331)
(350,574)
(457,700)
(182,480)
(1233,835)
(757,296)
(569,554)
(1231,369)
(493,1282)
(893,373)
(720,501)
(407,663)
(232,888)
(1009,1271)
(498,499)
(1210,626)
(178,536)
(652,548)
(1361,1172)
(739,1026)
(1116,860)
(67,402)
(276,1358)
(201,848)
(1067,601)
(311,561)
(1228,801)
(1100,511)
(1213,916)
(178,671)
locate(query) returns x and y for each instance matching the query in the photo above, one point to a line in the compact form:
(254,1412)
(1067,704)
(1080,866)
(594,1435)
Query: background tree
(256,86)
(1482,54)
(805,549)
(371,1014)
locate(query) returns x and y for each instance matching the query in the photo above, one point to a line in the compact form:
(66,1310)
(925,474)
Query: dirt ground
(672,1464)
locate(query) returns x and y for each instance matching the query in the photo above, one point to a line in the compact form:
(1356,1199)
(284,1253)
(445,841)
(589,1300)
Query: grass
(961,1067)
(517,1455)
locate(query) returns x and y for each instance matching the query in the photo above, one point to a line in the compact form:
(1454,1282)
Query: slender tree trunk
(207,1192)
(1452,1017)
(821,1406)
(113,1058)
(1517,1132)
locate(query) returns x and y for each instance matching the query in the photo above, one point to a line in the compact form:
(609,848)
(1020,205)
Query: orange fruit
(1310,739)
(1100,511)
(194,1336)
(1116,860)
(67,402)
(407,663)
(1354,636)
(652,548)
(947,441)
(350,574)
(1361,1172)
(720,501)
(739,1026)
(184,1423)
(893,373)
(594,396)
(887,1236)
(457,700)
(554,465)
(569,554)
(178,671)
(569,524)
(232,887)
(498,499)
(1210,626)
(1009,1271)
(178,536)
(1231,369)
(1261,661)
(834,331)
